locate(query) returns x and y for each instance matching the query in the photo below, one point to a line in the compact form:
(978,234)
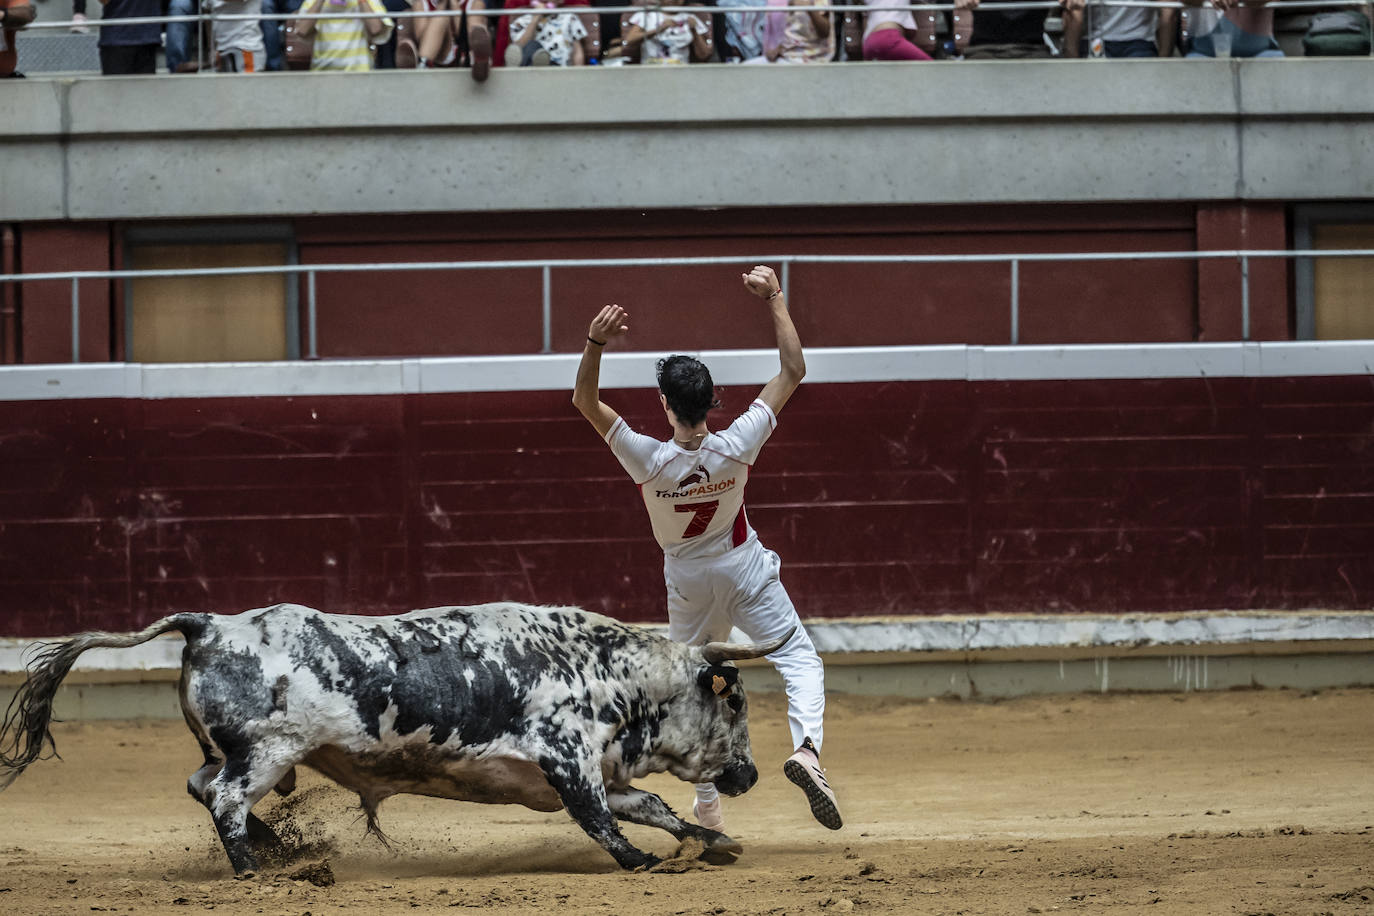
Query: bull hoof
(721,850)
(650,862)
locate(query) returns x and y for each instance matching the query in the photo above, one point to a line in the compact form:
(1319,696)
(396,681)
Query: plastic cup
(1221,42)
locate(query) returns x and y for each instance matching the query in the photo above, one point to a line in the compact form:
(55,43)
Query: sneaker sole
(481,55)
(822,808)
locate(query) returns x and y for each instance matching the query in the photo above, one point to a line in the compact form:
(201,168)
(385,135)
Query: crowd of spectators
(563,33)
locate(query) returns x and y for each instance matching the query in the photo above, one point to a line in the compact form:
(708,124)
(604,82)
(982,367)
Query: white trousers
(708,597)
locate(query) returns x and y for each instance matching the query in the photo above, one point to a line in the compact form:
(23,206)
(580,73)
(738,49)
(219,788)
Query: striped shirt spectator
(343,44)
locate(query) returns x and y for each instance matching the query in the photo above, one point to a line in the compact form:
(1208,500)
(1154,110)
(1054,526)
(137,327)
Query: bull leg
(200,780)
(585,799)
(640,807)
(230,795)
(263,838)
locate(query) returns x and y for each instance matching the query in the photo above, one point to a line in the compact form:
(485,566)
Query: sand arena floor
(1242,802)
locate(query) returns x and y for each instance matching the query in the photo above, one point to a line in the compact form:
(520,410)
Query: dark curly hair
(686,384)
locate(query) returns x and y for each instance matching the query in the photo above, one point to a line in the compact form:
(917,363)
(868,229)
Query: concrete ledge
(993,131)
(987,679)
(1092,635)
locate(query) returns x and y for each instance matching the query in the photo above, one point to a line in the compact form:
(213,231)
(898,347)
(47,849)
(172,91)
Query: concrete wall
(708,136)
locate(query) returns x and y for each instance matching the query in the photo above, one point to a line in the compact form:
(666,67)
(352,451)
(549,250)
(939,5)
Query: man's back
(695,497)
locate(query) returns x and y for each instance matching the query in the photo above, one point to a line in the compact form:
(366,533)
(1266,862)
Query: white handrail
(562,263)
(546,265)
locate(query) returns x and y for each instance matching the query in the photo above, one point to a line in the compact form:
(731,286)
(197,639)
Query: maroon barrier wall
(910,498)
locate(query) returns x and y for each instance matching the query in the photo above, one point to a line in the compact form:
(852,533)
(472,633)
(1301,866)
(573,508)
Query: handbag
(1342,34)
(299,48)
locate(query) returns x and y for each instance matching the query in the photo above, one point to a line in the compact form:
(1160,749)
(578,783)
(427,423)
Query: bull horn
(716,652)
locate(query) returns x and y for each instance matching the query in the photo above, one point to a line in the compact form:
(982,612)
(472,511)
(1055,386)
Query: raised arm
(304,27)
(820,19)
(606,326)
(762,282)
(378,27)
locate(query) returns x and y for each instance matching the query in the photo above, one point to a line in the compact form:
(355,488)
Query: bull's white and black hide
(500,703)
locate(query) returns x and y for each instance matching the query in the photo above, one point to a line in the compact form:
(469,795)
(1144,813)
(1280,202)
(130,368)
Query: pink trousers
(891,44)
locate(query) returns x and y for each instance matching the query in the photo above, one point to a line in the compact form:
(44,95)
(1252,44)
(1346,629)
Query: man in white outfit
(717,573)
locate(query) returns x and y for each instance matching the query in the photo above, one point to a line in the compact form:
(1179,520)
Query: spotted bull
(501,703)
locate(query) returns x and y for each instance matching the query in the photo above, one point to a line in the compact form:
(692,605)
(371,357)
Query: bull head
(720,678)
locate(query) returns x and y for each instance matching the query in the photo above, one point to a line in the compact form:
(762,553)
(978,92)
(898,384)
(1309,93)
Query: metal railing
(546,267)
(211,16)
(1276,5)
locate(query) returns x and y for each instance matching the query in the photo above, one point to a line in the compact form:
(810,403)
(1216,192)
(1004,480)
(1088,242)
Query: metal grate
(58,52)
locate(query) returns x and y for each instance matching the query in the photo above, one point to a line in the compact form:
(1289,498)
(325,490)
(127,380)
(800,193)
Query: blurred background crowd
(477,35)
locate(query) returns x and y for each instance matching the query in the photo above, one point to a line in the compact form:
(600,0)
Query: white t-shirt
(1120,23)
(557,35)
(673,43)
(239,35)
(696,498)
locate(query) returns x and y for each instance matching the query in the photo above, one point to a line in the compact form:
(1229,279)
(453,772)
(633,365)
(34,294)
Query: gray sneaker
(804,769)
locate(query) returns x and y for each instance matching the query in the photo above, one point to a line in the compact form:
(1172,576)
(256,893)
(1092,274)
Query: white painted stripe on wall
(728,367)
(1121,361)
(59,382)
(277,379)
(1337,357)
(1216,630)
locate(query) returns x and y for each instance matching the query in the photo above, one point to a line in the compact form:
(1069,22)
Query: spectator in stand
(177,50)
(891,34)
(541,39)
(1249,24)
(343,44)
(433,40)
(14,15)
(273,31)
(661,38)
(440,41)
(238,42)
(902,35)
(1117,31)
(1007,33)
(129,49)
(801,36)
(742,32)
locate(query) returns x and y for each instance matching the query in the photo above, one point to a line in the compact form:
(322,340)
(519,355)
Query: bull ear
(714,653)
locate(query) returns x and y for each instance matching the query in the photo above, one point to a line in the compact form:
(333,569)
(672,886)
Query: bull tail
(25,731)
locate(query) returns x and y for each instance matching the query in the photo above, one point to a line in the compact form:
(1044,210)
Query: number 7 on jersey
(702,513)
